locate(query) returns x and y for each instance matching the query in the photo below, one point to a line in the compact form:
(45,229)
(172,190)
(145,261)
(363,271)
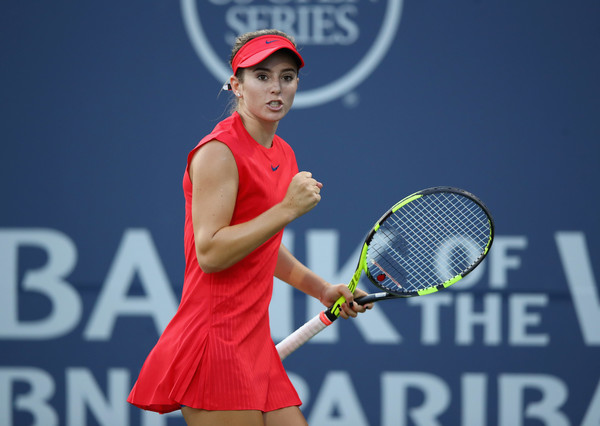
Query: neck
(261,131)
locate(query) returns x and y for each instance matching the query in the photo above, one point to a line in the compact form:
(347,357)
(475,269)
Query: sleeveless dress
(217,352)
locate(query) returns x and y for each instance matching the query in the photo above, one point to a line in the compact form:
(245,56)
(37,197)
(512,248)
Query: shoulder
(212,159)
(213,150)
(223,132)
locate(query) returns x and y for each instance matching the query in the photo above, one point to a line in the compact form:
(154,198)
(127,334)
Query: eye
(262,77)
(289,77)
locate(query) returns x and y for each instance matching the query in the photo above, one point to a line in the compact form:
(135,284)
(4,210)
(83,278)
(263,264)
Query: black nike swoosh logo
(274,168)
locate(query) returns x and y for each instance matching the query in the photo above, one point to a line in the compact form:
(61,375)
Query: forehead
(283,59)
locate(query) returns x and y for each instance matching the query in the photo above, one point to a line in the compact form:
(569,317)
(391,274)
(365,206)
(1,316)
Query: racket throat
(375,297)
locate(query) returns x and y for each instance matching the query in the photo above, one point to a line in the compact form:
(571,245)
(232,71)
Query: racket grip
(302,335)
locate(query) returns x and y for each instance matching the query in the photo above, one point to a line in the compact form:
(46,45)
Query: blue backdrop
(101,103)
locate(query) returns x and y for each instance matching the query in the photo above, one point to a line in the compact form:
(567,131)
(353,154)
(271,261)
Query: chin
(275,115)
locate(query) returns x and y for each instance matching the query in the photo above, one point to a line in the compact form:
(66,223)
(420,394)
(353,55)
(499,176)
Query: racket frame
(445,284)
(329,315)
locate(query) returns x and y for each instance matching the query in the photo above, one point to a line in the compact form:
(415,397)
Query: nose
(276,86)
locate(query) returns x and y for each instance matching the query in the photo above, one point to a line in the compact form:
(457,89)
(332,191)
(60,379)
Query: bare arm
(215,180)
(292,271)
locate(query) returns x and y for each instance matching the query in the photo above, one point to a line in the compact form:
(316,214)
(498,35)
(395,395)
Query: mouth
(275,105)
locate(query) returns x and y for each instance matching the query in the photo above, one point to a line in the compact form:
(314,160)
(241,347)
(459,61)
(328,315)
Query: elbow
(212,255)
(209,264)
(209,269)
(205,256)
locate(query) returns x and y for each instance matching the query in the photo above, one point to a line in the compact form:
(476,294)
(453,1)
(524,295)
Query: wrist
(323,295)
(285,212)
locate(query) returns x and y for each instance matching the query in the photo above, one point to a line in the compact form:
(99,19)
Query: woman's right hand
(303,194)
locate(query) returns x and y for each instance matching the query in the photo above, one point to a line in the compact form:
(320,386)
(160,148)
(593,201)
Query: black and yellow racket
(423,244)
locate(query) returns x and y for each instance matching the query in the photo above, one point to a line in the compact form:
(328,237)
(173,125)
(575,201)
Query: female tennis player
(216,360)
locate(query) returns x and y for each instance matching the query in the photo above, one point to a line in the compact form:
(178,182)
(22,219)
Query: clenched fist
(303,194)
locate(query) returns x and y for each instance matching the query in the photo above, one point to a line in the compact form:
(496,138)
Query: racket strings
(428,242)
(450,216)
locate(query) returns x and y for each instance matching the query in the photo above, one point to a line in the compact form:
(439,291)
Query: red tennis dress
(217,352)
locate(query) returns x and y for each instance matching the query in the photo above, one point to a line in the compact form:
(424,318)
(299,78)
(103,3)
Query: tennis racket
(425,243)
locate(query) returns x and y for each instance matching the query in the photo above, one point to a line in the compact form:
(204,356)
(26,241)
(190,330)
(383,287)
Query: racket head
(428,241)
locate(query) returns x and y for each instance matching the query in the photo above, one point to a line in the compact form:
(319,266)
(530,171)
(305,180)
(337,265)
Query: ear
(235,84)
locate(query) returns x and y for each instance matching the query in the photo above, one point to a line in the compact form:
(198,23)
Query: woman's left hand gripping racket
(424,243)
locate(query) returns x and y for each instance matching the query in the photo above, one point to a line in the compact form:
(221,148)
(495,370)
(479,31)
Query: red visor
(259,48)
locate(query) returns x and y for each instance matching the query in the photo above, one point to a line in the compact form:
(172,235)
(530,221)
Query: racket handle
(302,335)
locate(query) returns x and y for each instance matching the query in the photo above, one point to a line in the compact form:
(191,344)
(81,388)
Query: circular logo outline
(312,97)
